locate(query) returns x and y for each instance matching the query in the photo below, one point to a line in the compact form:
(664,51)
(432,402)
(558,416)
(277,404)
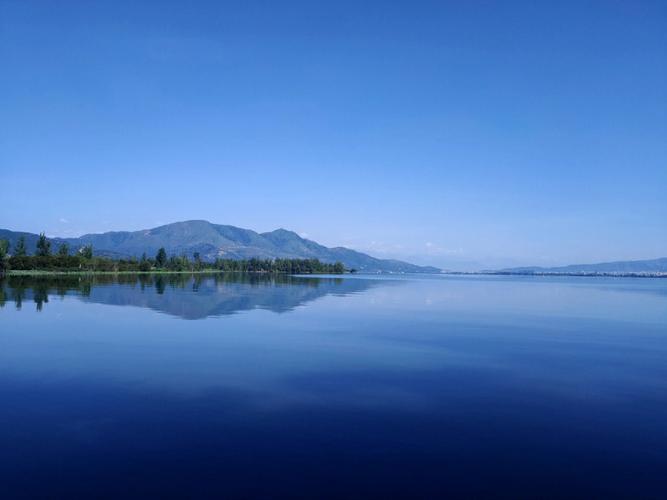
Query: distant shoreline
(573,274)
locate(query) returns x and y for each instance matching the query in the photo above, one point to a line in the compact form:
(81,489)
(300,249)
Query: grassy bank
(38,272)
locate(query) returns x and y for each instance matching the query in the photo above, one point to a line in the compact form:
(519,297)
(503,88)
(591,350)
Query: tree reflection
(190,296)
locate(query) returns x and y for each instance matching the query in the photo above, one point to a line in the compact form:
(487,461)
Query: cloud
(63,220)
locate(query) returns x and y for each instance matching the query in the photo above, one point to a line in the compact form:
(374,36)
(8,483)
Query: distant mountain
(215,240)
(653,266)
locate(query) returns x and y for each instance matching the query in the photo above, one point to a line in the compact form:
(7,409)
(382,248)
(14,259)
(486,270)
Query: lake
(351,387)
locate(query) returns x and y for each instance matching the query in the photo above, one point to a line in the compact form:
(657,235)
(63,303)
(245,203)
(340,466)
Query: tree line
(83,259)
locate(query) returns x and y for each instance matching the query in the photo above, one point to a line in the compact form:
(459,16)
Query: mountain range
(652,266)
(215,240)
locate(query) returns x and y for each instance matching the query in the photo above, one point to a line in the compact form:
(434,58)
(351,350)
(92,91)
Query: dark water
(238,386)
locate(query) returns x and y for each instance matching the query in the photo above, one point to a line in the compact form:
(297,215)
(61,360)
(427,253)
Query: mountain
(216,240)
(653,266)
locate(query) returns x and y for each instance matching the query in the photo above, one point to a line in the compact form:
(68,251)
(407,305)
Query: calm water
(351,387)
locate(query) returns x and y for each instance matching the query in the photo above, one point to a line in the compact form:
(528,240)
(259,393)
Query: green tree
(87,252)
(63,250)
(4,248)
(161,257)
(144,265)
(43,246)
(20,249)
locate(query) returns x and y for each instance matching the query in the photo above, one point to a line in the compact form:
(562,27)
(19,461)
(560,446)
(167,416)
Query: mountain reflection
(183,295)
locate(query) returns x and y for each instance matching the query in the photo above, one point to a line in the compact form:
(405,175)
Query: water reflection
(416,387)
(184,295)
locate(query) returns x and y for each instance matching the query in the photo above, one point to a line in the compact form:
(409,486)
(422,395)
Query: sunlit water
(356,387)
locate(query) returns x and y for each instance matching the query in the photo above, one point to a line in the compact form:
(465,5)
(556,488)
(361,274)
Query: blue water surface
(239,386)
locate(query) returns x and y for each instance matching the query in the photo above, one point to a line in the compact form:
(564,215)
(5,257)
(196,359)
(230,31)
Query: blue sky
(451,133)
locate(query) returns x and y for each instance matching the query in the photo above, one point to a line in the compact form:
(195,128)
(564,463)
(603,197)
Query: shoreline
(35,272)
(21,272)
(573,275)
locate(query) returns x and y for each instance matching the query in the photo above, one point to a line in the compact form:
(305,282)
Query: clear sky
(490,133)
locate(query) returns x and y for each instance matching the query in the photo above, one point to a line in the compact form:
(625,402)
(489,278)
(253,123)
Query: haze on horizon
(442,133)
